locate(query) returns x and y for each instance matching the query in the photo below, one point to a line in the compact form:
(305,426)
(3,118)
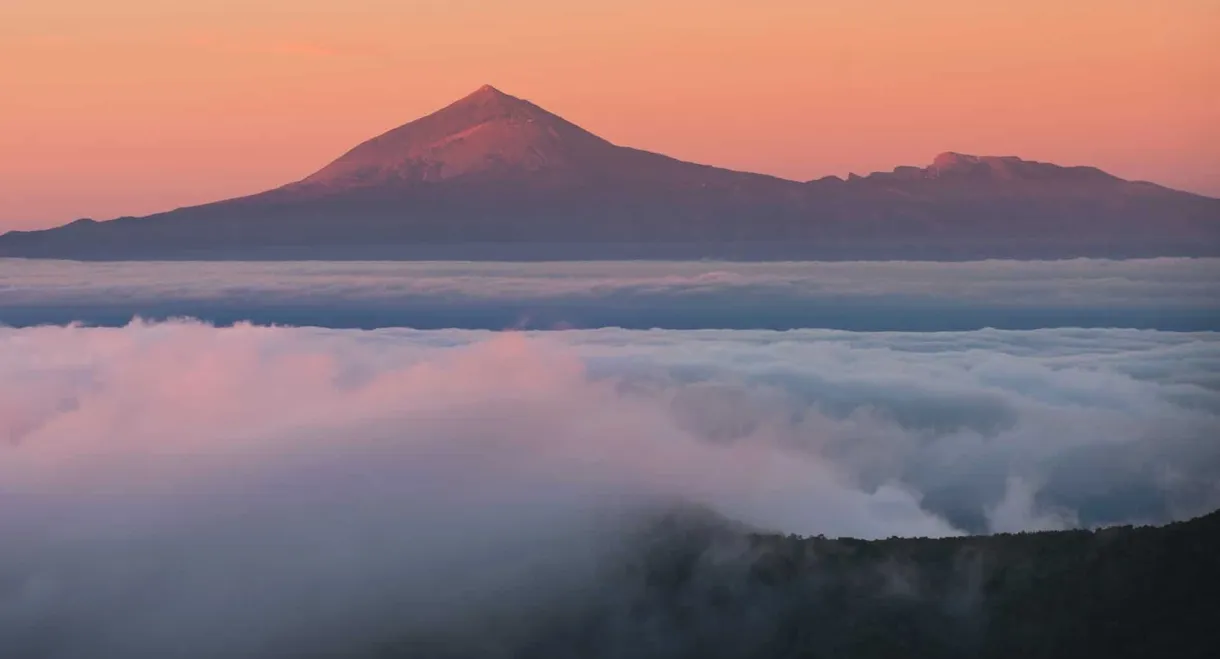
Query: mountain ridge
(494,169)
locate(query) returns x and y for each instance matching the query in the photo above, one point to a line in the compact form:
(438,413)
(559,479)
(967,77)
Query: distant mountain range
(493,176)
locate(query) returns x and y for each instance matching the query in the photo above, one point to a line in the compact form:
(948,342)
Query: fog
(177,489)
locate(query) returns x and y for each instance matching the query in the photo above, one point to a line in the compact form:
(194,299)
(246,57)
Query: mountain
(495,176)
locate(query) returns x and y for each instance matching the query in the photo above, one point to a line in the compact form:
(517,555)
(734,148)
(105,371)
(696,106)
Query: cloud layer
(245,491)
(1169,294)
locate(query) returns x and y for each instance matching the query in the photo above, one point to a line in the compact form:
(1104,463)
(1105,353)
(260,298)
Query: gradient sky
(135,106)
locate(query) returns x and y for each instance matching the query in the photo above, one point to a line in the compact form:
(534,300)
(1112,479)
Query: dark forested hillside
(698,589)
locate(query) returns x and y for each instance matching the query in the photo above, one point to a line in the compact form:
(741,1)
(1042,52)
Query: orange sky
(113,107)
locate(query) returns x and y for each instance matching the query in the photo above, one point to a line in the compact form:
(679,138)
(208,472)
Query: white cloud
(1155,293)
(1090,282)
(407,475)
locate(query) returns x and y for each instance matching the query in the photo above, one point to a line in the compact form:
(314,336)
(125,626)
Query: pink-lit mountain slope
(495,176)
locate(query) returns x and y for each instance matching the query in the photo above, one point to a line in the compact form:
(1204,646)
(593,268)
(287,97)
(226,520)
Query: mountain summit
(495,176)
(494,137)
(487,133)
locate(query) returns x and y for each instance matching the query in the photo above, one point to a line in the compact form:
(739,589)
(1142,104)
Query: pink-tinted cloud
(176,485)
(161,483)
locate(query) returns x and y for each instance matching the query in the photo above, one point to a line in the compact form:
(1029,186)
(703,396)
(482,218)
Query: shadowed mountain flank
(493,176)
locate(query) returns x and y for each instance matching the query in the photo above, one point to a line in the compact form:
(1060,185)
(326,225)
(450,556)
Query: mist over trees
(694,586)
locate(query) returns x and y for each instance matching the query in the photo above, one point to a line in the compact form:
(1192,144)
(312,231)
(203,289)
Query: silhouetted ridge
(493,176)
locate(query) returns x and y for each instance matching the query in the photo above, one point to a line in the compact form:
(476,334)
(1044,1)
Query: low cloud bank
(1169,294)
(182,490)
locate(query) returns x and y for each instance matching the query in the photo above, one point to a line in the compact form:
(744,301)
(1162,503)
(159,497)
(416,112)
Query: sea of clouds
(179,489)
(1168,294)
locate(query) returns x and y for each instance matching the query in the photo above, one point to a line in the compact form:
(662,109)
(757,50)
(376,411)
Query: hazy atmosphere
(635,329)
(130,107)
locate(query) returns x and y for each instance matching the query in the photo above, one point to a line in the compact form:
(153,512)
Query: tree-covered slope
(694,588)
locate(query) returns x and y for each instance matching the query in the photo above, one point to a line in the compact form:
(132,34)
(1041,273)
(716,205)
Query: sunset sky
(123,107)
